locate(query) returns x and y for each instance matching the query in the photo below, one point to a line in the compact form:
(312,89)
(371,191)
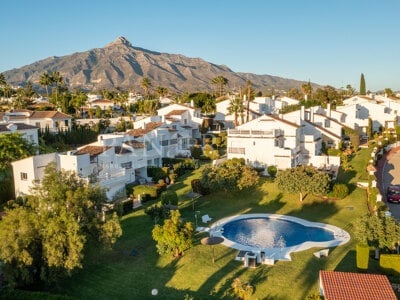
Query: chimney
(302,113)
(305,97)
(328,112)
(191,103)
(312,114)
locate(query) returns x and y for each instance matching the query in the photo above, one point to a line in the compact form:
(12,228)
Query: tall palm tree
(236,108)
(79,99)
(146,84)
(306,88)
(161,91)
(58,80)
(45,80)
(249,97)
(220,81)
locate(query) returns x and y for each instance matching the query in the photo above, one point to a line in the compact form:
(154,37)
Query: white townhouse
(358,109)
(267,140)
(53,120)
(28,132)
(316,121)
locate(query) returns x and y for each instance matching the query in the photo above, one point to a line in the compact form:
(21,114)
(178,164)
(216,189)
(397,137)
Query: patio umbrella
(212,240)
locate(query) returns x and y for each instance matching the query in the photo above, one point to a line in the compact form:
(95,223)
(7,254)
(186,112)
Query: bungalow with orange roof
(355,286)
(53,120)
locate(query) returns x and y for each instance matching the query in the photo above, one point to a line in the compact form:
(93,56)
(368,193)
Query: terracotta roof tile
(142,131)
(135,144)
(49,114)
(355,286)
(176,112)
(92,150)
(121,150)
(20,126)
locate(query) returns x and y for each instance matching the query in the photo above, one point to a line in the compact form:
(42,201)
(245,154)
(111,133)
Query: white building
(28,132)
(267,140)
(53,120)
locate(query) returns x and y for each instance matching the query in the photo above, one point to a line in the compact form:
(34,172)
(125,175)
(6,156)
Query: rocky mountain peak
(121,40)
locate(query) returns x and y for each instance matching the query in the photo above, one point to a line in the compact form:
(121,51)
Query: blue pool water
(264,232)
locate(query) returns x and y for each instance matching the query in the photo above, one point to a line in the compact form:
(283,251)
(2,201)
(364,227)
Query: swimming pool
(276,235)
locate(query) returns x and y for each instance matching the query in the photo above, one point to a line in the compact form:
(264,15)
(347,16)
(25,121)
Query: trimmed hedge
(362,256)
(390,263)
(169,198)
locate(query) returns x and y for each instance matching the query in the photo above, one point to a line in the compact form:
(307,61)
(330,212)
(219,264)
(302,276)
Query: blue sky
(329,42)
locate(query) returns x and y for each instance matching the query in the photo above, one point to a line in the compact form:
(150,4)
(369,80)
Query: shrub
(157,212)
(169,198)
(340,190)
(156,173)
(272,170)
(362,256)
(390,263)
(196,151)
(198,188)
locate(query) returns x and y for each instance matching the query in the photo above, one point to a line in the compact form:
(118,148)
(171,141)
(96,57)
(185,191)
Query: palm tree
(249,97)
(161,91)
(306,88)
(220,81)
(208,105)
(146,84)
(79,100)
(45,80)
(56,79)
(236,108)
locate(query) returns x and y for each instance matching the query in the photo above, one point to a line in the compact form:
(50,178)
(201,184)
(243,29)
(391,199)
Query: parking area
(390,175)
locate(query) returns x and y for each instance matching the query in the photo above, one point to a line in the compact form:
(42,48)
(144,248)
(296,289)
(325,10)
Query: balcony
(236,150)
(255,133)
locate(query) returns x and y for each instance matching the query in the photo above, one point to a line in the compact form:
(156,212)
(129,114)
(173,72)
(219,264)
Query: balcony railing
(236,150)
(255,133)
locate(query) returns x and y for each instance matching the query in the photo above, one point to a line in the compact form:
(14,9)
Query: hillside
(119,64)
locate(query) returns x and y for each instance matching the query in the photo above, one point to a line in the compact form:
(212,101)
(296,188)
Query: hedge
(362,256)
(390,263)
(169,198)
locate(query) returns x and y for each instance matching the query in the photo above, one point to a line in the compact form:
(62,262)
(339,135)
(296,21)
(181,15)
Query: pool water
(262,232)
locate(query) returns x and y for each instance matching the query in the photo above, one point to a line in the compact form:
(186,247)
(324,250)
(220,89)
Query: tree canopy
(302,180)
(44,236)
(175,236)
(362,85)
(14,147)
(232,174)
(377,230)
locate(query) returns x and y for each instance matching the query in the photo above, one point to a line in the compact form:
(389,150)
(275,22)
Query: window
(126,165)
(37,124)
(24,176)
(164,143)
(66,123)
(149,146)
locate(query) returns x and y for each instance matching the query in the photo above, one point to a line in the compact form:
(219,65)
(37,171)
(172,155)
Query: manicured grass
(117,274)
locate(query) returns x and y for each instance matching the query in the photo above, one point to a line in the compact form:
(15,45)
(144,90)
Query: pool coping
(341,236)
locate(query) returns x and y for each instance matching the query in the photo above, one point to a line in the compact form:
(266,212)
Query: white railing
(255,133)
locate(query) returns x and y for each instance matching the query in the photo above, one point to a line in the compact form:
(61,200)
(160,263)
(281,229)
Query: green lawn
(118,275)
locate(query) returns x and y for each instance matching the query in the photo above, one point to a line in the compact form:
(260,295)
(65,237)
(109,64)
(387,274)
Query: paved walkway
(387,173)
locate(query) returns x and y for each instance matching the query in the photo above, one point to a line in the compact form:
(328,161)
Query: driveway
(390,174)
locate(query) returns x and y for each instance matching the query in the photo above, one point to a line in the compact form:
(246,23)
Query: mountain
(119,64)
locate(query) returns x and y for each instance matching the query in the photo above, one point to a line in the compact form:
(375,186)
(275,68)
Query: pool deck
(341,236)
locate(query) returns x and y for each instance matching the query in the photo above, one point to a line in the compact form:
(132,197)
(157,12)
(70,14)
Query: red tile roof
(355,286)
(176,112)
(20,126)
(135,144)
(92,150)
(142,131)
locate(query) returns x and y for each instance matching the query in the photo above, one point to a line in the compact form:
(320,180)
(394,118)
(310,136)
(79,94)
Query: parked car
(393,194)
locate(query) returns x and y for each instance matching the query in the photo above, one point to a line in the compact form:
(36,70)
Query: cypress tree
(362,85)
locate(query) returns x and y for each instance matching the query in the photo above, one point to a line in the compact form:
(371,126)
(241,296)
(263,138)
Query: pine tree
(362,85)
